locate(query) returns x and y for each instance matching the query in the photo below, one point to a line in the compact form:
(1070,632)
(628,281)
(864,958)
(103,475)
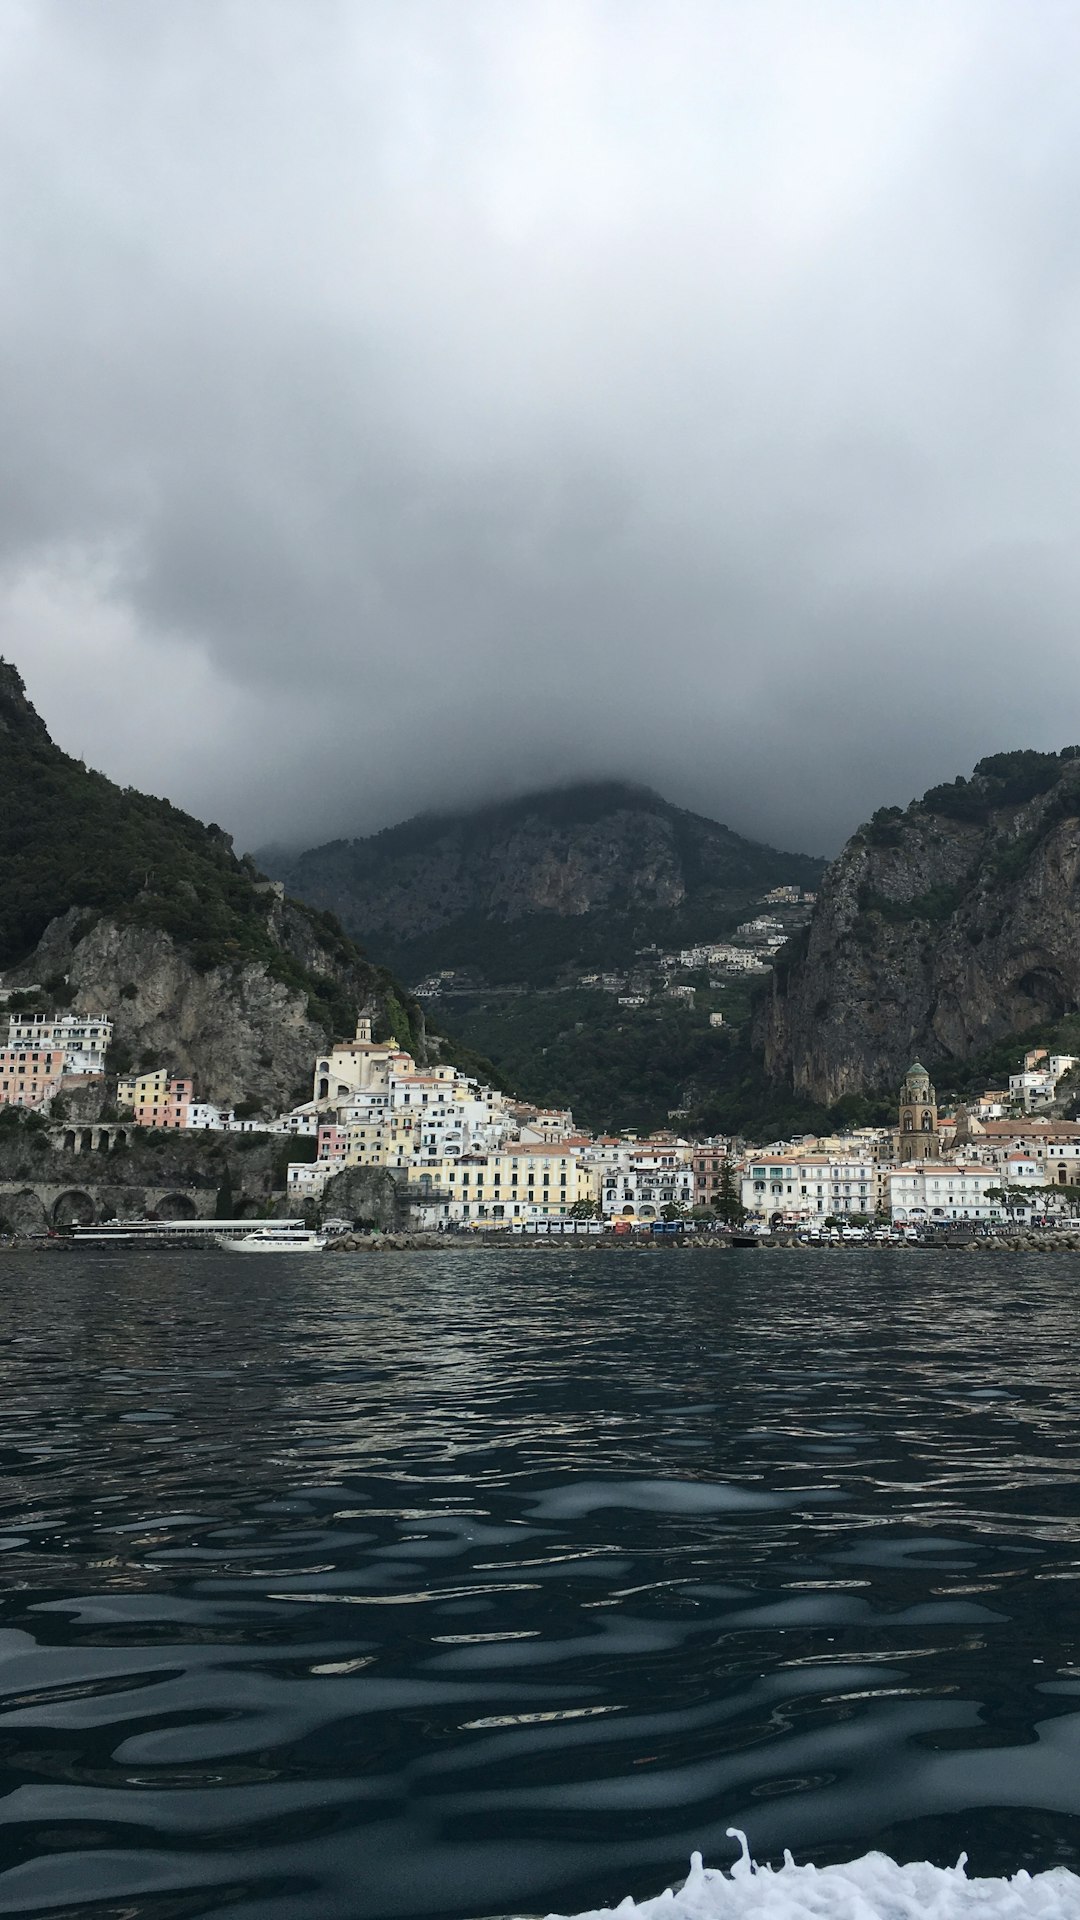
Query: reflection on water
(483,1582)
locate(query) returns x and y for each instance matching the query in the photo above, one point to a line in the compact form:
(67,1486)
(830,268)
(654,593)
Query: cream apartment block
(520,1181)
(808,1187)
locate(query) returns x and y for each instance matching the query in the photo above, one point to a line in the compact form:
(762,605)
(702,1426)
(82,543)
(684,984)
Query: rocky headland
(940,929)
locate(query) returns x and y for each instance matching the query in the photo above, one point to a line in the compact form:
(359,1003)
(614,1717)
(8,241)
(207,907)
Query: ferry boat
(276,1239)
(186,1233)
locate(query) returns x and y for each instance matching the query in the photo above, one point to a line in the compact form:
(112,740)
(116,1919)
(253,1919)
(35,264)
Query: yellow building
(521,1181)
(157,1099)
(386,1140)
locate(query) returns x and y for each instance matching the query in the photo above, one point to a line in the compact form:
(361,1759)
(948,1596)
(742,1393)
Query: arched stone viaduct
(87,1176)
(33,1206)
(102,1137)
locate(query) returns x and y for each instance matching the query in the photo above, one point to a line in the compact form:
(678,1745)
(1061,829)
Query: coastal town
(468,1157)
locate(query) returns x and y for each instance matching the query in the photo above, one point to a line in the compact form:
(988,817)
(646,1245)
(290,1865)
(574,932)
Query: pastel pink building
(165,1104)
(29,1075)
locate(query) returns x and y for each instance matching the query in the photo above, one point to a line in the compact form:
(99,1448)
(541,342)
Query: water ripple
(494,1582)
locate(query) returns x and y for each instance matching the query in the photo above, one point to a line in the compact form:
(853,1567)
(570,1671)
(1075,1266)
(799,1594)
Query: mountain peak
(17,715)
(580,855)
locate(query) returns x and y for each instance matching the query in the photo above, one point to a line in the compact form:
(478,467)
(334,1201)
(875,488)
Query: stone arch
(102,1142)
(324,1089)
(25,1211)
(86,1140)
(70,1144)
(648,1213)
(176,1206)
(73,1209)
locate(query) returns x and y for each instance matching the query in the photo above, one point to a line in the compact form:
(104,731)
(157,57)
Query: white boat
(279,1239)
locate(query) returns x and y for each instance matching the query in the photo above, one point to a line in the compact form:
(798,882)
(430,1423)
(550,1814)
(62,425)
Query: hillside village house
(157,1099)
(1037,1082)
(29,1076)
(82,1039)
(708,1163)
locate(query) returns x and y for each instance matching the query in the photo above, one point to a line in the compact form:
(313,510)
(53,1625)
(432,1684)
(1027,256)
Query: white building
(808,1186)
(637,1180)
(1037,1084)
(352,1066)
(83,1039)
(307,1178)
(301,1122)
(928,1190)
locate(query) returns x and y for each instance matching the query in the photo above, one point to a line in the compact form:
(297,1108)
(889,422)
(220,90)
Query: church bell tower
(918,1116)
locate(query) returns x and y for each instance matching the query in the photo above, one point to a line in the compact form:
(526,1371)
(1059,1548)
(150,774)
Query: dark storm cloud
(407,401)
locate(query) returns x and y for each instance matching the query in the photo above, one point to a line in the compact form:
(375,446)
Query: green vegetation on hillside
(71,838)
(1000,780)
(623,1069)
(581,1049)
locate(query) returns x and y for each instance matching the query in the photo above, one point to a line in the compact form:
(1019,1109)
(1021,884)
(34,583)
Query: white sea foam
(873,1888)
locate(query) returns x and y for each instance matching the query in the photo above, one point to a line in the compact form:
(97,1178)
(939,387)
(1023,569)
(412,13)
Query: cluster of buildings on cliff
(653,977)
(473,1156)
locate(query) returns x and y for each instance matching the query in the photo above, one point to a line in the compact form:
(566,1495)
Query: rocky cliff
(578,854)
(940,929)
(113,901)
(244,1034)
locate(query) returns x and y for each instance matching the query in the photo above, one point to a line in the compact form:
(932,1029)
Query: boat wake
(871,1888)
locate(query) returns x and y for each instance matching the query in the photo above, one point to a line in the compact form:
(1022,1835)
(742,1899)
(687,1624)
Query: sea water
(478,1582)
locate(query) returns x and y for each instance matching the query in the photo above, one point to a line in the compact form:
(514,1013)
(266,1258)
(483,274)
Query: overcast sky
(404,401)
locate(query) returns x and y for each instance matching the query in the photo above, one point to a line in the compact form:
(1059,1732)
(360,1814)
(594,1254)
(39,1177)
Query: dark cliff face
(938,931)
(114,901)
(567,853)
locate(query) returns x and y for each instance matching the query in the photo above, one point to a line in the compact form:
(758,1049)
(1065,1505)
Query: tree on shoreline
(726,1201)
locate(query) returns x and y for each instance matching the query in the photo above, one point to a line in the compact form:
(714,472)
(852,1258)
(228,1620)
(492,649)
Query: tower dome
(918,1116)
